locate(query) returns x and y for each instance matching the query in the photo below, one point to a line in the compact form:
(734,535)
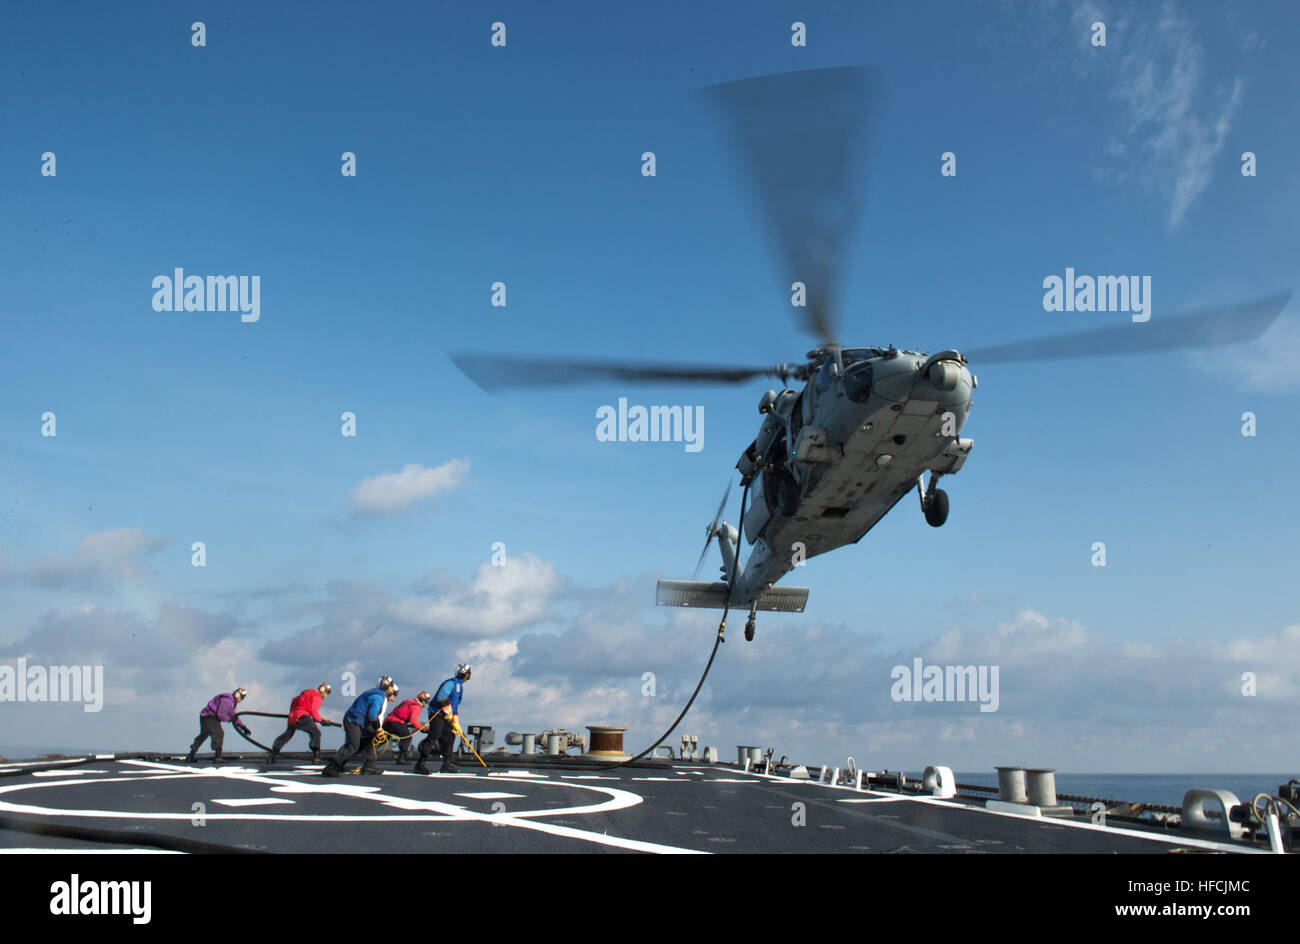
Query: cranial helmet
(462,671)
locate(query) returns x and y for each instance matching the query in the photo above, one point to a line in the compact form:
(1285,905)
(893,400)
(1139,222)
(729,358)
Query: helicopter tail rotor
(712,530)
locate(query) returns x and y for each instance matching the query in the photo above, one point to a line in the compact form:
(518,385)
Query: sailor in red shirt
(304,715)
(404,720)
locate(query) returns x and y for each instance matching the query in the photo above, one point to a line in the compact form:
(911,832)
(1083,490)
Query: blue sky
(522,164)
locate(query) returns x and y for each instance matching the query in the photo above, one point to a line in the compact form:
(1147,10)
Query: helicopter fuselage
(831,460)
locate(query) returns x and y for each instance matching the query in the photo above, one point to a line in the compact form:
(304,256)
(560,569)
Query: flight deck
(144,802)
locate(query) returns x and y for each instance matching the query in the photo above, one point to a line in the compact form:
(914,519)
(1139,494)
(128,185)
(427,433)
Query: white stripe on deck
(83,852)
(252,801)
(585,777)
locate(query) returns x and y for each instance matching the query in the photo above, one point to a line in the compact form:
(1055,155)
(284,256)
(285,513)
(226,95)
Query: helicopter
(863,427)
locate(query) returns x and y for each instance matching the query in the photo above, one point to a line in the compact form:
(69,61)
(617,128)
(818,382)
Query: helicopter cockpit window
(824,375)
(857,380)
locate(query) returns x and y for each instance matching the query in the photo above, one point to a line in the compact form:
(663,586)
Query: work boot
(315,756)
(270,758)
(216,759)
(370,770)
(421,769)
(331,770)
(189,758)
(448,767)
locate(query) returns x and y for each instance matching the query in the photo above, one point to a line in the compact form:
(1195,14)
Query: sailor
(404,720)
(444,711)
(304,715)
(360,725)
(220,708)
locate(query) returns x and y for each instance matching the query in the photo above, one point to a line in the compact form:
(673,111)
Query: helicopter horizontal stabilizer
(703,595)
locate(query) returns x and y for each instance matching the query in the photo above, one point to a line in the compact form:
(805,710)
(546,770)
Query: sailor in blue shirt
(443,710)
(360,725)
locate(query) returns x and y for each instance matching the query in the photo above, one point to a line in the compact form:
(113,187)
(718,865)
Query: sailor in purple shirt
(222,708)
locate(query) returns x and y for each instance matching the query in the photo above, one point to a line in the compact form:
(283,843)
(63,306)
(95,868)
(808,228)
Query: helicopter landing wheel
(936,509)
(749,630)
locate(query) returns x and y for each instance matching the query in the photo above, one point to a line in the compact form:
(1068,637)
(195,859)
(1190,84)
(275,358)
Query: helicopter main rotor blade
(797,134)
(711,531)
(1209,327)
(493,372)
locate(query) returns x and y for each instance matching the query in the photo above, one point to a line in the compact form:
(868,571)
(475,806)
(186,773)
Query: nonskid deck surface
(289,808)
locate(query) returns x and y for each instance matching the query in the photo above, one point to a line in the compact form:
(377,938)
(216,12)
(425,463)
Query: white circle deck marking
(417,810)
(613,799)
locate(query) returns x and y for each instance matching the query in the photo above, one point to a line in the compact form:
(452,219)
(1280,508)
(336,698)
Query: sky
(522,164)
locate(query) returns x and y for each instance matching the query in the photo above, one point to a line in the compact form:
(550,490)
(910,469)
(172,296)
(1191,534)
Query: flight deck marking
(1112,830)
(23,764)
(81,852)
(252,801)
(493,796)
(585,777)
(440,811)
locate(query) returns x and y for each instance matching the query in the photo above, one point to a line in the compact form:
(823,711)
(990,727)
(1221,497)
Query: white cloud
(495,601)
(100,557)
(395,491)
(1024,639)
(1177,128)
(1265,365)
(1071,696)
